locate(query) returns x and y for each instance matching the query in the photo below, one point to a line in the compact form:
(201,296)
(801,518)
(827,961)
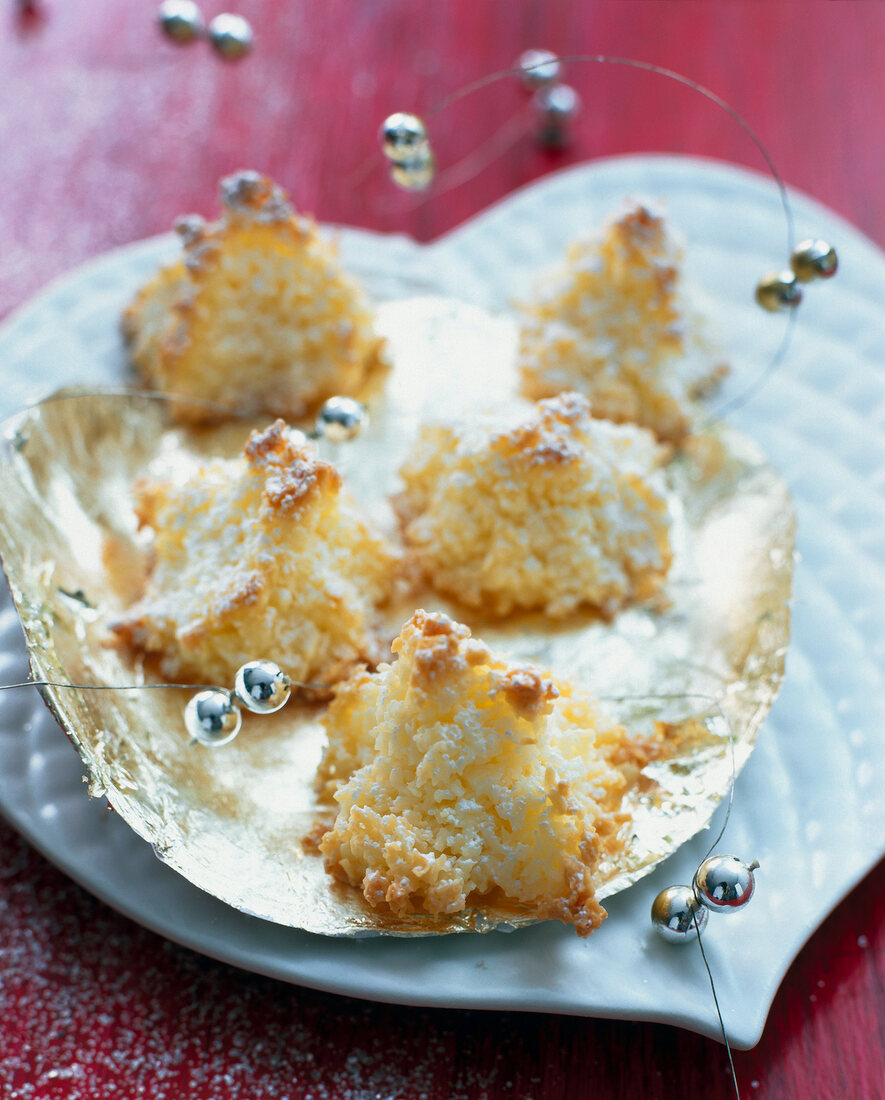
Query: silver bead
(538,67)
(403,137)
(212,718)
(724,884)
(181,21)
(262,686)
(674,912)
(556,106)
(341,419)
(415,174)
(813,260)
(230,36)
(778,290)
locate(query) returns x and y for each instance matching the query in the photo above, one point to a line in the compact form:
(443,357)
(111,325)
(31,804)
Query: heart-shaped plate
(786,803)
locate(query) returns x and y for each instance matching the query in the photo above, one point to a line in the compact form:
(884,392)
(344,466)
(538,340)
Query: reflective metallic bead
(181,21)
(262,686)
(415,174)
(230,36)
(212,718)
(724,883)
(341,419)
(538,67)
(673,914)
(403,137)
(556,106)
(813,260)
(778,290)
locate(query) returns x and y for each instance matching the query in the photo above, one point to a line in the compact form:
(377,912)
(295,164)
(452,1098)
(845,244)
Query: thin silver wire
(753,387)
(734,1079)
(146,687)
(109,687)
(645,66)
(714,703)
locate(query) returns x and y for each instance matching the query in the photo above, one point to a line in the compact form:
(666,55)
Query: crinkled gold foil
(232,820)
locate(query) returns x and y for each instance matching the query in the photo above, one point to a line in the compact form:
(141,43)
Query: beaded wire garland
(406,144)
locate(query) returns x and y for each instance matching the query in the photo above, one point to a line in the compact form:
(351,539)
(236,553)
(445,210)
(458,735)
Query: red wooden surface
(107,133)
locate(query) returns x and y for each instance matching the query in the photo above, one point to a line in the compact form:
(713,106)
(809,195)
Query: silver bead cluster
(722,884)
(556,105)
(405,143)
(213,716)
(809,260)
(230,36)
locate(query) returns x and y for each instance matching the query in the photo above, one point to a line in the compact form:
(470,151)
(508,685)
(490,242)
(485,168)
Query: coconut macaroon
(548,510)
(261,556)
(460,778)
(256,317)
(613,322)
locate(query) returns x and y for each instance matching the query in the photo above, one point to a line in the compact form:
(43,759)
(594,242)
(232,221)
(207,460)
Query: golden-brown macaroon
(613,323)
(263,556)
(258,315)
(460,778)
(548,512)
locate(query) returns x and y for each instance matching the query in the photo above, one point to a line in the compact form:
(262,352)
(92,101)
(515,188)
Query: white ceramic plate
(808,805)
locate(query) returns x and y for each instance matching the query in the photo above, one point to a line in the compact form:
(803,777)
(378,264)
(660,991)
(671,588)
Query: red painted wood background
(107,133)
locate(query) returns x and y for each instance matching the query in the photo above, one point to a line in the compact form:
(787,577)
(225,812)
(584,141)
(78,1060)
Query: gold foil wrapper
(232,820)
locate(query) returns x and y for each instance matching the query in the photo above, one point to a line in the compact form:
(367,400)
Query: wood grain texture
(108,133)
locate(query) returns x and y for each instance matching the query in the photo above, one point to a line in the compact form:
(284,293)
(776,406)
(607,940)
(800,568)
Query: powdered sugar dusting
(95,1006)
